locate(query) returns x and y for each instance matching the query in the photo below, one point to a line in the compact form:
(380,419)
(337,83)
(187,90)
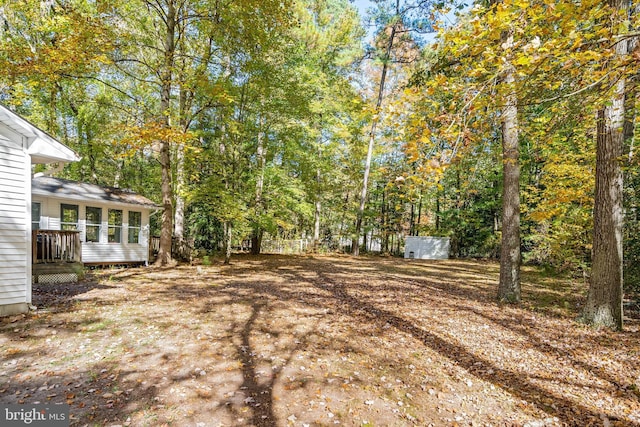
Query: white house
(21,145)
(113,223)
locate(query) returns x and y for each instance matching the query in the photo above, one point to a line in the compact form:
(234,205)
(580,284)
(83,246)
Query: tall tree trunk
(345,209)
(412,220)
(417,230)
(228,240)
(316,223)
(437,210)
(178,226)
(509,286)
(52,126)
(604,300)
(261,157)
(630,101)
(164,253)
(318,202)
(355,248)
(186,97)
(118,175)
(385,223)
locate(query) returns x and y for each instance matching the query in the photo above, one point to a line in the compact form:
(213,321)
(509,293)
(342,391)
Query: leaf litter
(319,341)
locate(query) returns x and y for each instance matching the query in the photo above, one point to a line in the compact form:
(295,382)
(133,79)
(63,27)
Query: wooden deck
(56,252)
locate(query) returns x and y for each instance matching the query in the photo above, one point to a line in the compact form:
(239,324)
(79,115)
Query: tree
(604,300)
(526,64)
(510,257)
(331,38)
(397,21)
(167,47)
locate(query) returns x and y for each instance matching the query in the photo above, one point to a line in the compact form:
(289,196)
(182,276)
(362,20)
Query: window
(68,217)
(35,215)
(135,221)
(94,220)
(115,226)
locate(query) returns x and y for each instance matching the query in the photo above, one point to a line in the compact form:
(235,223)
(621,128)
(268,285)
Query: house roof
(42,147)
(85,192)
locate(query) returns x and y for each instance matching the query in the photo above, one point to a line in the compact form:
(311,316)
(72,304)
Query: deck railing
(56,246)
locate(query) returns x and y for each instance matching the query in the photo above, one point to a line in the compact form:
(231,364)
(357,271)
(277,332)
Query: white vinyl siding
(114,253)
(100,252)
(14,229)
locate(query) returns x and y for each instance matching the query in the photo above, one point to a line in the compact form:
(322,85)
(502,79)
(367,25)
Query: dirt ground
(319,341)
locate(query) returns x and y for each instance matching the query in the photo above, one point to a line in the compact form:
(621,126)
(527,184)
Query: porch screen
(115,226)
(68,217)
(135,220)
(94,218)
(36,208)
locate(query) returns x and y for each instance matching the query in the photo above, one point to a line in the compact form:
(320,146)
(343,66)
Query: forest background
(256,119)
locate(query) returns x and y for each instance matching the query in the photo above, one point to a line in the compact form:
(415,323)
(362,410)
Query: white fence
(284,246)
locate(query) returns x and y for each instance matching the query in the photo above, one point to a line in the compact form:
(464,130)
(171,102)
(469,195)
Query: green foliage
(468,205)
(632,231)
(268,104)
(205,229)
(558,52)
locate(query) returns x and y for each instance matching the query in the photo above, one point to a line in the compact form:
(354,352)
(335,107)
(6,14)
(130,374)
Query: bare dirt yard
(319,341)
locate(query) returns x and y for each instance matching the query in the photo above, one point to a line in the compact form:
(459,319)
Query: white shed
(419,247)
(113,223)
(21,145)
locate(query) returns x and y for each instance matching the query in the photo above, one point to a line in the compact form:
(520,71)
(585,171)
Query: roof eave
(88,200)
(45,149)
(41,146)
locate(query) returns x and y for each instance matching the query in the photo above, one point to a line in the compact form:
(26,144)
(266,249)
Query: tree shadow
(260,394)
(60,295)
(343,290)
(337,288)
(567,411)
(96,395)
(517,323)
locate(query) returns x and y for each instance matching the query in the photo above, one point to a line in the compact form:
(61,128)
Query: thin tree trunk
(53,111)
(385,225)
(630,100)
(164,253)
(118,174)
(509,286)
(604,299)
(412,219)
(228,240)
(316,223)
(367,165)
(438,210)
(318,202)
(342,219)
(417,230)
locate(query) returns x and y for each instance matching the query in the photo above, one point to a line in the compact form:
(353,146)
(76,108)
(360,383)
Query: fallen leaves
(308,340)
